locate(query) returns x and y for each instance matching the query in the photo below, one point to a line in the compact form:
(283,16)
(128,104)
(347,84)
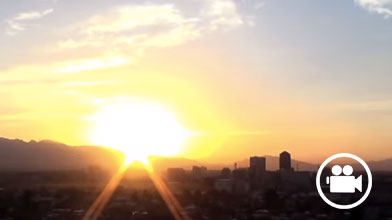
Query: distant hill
(382,165)
(18,155)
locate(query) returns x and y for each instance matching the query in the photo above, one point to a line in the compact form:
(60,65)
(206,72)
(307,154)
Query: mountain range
(18,155)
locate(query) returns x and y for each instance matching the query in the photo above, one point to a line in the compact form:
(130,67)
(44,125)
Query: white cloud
(31,15)
(382,7)
(88,64)
(22,21)
(223,13)
(129,31)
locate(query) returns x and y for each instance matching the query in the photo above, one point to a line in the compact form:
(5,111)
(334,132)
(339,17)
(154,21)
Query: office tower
(285,161)
(257,166)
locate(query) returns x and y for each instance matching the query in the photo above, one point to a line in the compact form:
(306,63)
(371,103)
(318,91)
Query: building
(223,185)
(240,181)
(199,172)
(176,174)
(298,181)
(285,161)
(257,171)
(257,166)
(226,173)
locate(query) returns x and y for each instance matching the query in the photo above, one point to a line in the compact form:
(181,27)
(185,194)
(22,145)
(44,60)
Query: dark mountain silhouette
(382,165)
(18,155)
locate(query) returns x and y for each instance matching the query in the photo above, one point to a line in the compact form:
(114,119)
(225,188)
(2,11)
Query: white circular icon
(347,171)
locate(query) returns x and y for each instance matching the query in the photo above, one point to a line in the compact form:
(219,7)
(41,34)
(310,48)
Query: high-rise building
(257,166)
(199,171)
(285,161)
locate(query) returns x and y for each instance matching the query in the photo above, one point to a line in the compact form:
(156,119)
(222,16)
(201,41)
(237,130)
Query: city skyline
(63,157)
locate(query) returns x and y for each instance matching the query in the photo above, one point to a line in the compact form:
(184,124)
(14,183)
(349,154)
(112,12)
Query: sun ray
(139,130)
(99,204)
(171,202)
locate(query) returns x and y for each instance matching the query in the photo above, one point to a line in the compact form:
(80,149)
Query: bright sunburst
(139,130)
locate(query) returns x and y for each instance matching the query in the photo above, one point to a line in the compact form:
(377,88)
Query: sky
(254,77)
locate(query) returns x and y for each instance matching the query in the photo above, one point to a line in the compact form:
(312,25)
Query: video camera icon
(346,183)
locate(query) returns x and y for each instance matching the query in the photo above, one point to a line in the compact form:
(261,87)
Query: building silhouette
(176,174)
(285,161)
(240,181)
(226,173)
(257,166)
(199,171)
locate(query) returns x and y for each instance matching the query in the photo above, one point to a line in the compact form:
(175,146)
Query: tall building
(199,171)
(285,161)
(257,166)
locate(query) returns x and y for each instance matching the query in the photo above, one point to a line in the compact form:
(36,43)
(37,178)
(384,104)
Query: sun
(138,130)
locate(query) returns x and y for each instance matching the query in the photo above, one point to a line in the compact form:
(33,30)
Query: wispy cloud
(127,32)
(31,15)
(104,62)
(382,7)
(22,21)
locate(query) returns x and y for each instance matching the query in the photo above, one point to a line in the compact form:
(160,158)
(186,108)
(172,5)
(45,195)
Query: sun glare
(139,130)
